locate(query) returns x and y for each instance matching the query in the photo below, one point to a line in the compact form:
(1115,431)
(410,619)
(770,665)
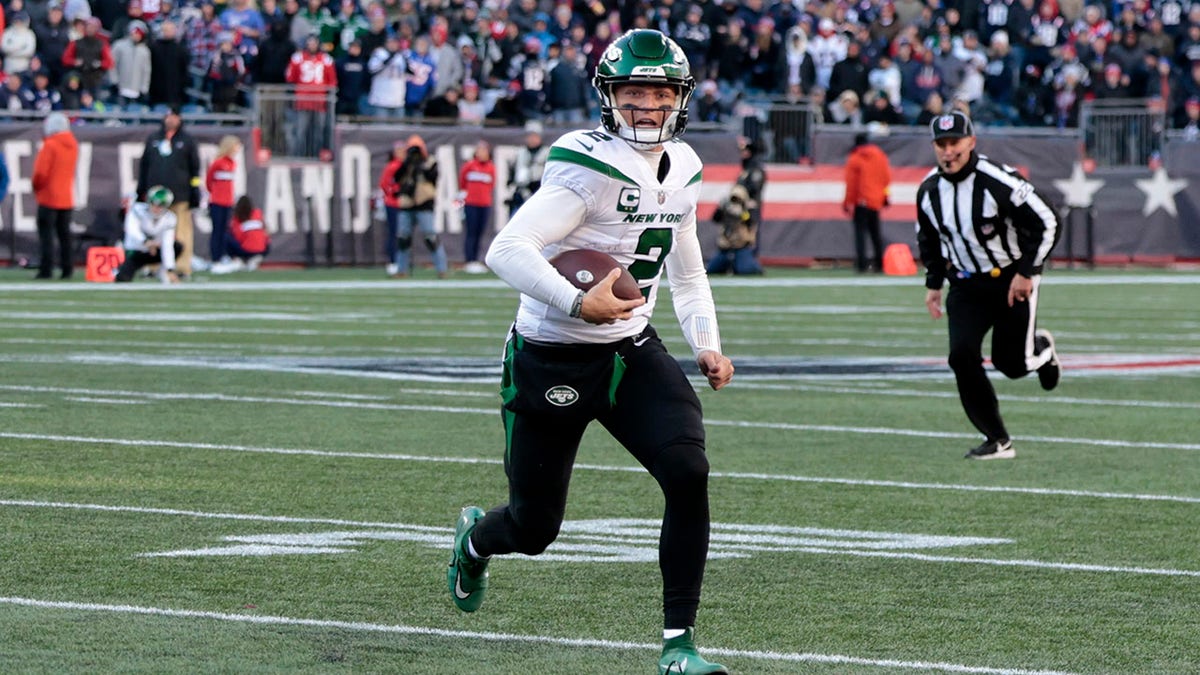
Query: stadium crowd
(1007,62)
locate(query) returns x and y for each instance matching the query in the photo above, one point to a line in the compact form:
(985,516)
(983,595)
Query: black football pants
(975,305)
(656,417)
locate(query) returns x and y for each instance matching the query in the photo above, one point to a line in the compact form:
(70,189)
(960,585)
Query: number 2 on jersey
(652,248)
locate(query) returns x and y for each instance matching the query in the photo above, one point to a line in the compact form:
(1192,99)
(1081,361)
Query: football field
(261,474)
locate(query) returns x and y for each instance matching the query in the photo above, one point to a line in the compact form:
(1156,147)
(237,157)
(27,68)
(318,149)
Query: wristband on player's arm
(577,306)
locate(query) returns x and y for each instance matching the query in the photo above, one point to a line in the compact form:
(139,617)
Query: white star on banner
(1160,191)
(1078,189)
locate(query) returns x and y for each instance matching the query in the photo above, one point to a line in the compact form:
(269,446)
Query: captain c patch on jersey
(629,199)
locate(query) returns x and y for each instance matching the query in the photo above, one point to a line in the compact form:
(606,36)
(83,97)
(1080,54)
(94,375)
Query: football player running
(628,188)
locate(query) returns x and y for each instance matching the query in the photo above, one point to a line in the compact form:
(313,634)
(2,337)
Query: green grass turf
(142,420)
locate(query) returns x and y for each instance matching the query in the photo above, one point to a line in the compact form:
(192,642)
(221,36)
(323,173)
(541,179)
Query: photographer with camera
(409,185)
(736,215)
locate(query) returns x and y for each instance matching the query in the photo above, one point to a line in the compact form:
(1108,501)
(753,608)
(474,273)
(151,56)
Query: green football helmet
(160,196)
(644,57)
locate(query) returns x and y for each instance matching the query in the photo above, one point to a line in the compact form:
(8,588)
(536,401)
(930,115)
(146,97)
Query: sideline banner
(324,214)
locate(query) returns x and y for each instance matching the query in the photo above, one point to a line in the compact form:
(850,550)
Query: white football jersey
(142,227)
(629,215)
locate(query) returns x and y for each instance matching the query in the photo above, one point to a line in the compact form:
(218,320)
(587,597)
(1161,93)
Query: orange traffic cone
(898,260)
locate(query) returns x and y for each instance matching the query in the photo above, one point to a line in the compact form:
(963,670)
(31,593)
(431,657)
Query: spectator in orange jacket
(868,176)
(54,192)
(477,188)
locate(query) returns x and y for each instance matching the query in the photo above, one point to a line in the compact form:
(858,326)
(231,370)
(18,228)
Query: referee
(987,230)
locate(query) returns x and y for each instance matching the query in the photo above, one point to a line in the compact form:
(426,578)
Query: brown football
(584,268)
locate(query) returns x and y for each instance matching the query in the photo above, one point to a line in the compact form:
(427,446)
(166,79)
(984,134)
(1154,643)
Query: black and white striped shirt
(984,217)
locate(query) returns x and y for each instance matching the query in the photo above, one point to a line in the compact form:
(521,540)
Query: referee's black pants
(656,417)
(976,304)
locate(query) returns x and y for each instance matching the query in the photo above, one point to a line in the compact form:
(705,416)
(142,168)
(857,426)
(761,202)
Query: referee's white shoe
(1051,371)
(998,449)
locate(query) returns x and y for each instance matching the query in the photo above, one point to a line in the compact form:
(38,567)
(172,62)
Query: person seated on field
(150,236)
(247,240)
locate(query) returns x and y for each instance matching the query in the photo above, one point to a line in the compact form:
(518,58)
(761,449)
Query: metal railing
(1122,132)
(295,123)
(785,130)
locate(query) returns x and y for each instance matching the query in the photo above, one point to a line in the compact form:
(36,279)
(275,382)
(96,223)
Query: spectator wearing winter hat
(1190,122)
(120,27)
(19,43)
(353,80)
(568,88)
(168,66)
(471,110)
(274,53)
(389,69)
(131,65)
(90,55)
(14,95)
(707,106)
(45,98)
(70,91)
(53,35)
(226,73)
(446,55)
(377,29)
(693,37)
(827,47)
(53,184)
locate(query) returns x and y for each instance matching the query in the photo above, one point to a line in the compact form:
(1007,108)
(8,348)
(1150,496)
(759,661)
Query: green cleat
(679,657)
(467,577)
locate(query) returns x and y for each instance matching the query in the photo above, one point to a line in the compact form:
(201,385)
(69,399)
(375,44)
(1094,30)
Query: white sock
(472,552)
(669,633)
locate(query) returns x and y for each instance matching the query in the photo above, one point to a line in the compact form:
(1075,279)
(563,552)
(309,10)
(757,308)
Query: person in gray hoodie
(131,65)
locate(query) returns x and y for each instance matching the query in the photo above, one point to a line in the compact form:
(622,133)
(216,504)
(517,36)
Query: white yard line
(148,443)
(818,550)
(1041,400)
(365,627)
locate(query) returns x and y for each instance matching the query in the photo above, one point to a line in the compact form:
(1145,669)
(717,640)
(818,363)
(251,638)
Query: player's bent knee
(682,467)
(1011,368)
(432,242)
(404,243)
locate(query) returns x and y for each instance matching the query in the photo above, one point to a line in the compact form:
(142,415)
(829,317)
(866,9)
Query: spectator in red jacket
(247,241)
(868,175)
(313,73)
(53,190)
(218,181)
(477,187)
(90,55)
